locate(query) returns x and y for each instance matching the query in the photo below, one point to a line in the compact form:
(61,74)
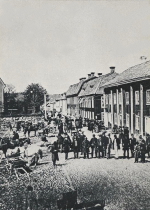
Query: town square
(74,105)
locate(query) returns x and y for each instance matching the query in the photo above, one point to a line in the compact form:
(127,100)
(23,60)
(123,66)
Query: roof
(75,88)
(93,87)
(53,98)
(132,74)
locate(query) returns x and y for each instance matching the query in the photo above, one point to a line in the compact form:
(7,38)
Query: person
(93,144)
(16,137)
(137,152)
(75,146)
(148,144)
(60,127)
(43,138)
(132,144)
(104,142)
(85,146)
(60,140)
(116,143)
(126,145)
(109,146)
(143,150)
(66,145)
(4,146)
(100,146)
(54,151)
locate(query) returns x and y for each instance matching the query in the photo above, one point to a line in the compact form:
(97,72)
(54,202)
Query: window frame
(148,102)
(137,102)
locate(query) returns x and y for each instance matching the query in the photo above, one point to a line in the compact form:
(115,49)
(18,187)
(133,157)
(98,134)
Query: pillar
(131,108)
(112,110)
(141,110)
(117,98)
(122,106)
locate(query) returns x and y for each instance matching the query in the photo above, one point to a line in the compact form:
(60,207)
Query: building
(127,99)
(72,95)
(91,95)
(2,85)
(63,103)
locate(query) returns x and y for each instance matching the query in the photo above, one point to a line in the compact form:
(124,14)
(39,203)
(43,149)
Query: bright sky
(54,43)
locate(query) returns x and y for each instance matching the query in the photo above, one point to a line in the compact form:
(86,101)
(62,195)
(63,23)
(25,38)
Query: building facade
(91,96)
(127,100)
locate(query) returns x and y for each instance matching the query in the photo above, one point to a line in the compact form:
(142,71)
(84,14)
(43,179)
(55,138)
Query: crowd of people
(72,138)
(103,145)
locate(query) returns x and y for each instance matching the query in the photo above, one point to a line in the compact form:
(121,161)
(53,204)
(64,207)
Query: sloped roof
(132,74)
(74,89)
(93,87)
(53,98)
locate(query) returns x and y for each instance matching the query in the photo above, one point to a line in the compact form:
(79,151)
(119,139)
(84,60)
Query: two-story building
(91,95)
(127,99)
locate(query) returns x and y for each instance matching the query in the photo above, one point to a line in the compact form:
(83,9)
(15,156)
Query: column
(141,109)
(112,110)
(131,105)
(122,106)
(117,99)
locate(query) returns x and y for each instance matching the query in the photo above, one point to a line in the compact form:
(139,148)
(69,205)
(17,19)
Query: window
(137,97)
(137,122)
(148,97)
(106,99)
(127,120)
(120,98)
(127,98)
(102,102)
(110,99)
(115,99)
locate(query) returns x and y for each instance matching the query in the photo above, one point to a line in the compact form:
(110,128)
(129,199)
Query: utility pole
(45,106)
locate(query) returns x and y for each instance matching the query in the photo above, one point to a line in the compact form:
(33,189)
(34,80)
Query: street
(121,183)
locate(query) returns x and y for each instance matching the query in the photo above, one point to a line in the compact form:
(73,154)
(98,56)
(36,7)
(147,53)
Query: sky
(54,43)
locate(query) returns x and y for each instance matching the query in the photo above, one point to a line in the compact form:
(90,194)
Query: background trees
(28,101)
(34,97)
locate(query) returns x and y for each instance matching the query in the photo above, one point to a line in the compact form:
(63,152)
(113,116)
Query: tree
(34,97)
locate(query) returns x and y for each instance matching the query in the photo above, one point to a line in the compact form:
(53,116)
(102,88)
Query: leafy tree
(34,97)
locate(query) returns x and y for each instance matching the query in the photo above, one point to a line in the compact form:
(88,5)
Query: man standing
(126,145)
(93,144)
(132,144)
(100,146)
(75,146)
(86,145)
(104,142)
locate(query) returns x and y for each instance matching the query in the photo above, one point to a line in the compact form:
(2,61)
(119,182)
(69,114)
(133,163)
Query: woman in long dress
(116,143)
(54,151)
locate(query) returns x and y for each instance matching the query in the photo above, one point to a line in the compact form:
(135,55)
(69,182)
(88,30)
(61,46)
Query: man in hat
(100,147)
(93,144)
(85,146)
(132,144)
(104,142)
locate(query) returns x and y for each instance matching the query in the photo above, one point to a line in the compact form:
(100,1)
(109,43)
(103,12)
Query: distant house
(54,102)
(91,96)
(72,95)
(127,99)
(2,85)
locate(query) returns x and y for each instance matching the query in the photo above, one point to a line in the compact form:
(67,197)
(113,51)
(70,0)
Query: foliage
(34,96)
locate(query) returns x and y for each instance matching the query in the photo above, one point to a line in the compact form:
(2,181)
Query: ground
(123,184)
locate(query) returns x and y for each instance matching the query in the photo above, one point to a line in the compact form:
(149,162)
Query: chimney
(92,74)
(99,74)
(89,75)
(82,79)
(112,69)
